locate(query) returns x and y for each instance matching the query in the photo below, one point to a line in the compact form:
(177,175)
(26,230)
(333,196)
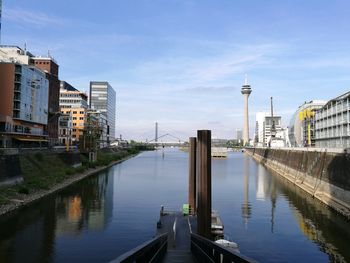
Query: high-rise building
(50,67)
(24,105)
(73,105)
(332,123)
(103,99)
(259,129)
(246,90)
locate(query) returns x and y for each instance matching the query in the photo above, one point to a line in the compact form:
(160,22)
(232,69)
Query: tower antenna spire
(246,79)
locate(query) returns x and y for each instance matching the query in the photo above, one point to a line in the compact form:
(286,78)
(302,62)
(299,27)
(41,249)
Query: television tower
(246,90)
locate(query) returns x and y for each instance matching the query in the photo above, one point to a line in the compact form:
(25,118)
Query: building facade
(65,129)
(14,54)
(73,103)
(78,119)
(103,99)
(50,67)
(332,123)
(267,127)
(23,107)
(301,130)
(100,120)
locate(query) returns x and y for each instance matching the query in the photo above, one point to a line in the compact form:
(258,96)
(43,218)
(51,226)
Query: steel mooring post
(204,183)
(192,184)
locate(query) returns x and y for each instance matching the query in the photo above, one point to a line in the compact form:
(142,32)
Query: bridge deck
(179,242)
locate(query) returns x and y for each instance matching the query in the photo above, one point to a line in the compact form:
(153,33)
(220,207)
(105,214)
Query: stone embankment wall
(324,175)
(10,170)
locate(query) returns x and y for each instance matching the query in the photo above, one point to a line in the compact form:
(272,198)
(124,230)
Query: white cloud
(34,18)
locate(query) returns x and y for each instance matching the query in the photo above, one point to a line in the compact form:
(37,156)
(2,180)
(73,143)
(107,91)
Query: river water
(105,215)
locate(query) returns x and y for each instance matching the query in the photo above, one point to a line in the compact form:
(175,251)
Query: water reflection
(101,217)
(318,223)
(246,206)
(88,207)
(260,189)
(30,235)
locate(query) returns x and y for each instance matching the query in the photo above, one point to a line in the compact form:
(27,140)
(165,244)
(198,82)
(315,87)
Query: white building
(263,130)
(14,54)
(333,123)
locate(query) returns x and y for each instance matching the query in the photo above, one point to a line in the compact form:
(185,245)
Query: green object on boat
(186,209)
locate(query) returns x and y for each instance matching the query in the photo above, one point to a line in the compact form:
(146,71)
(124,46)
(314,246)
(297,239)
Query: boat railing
(206,250)
(150,251)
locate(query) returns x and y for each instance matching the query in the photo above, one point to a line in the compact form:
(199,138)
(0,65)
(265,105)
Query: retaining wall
(11,167)
(324,175)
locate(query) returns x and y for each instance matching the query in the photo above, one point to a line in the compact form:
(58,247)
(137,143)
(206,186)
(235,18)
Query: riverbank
(322,174)
(47,179)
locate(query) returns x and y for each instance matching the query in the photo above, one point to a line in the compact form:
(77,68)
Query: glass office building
(103,99)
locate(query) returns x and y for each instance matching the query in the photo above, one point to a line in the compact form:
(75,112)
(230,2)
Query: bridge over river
(104,216)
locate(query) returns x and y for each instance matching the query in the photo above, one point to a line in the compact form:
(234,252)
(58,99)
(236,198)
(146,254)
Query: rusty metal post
(204,181)
(192,184)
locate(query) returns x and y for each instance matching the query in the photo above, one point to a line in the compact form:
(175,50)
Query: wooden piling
(192,189)
(204,183)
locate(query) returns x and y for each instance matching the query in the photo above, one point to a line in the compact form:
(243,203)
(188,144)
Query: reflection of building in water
(310,230)
(74,209)
(29,237)
(246,207)
(318,223)
(89,208)
(260,189)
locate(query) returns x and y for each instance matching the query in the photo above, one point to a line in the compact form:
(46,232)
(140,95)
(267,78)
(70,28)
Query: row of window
(74,112)
(69,95)
(42,62)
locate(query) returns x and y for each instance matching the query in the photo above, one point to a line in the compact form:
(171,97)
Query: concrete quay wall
(324,175)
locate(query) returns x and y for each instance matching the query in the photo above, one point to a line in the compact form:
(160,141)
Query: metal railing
(150,251)
(206,250)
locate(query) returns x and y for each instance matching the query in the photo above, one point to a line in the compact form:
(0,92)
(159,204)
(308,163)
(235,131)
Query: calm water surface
(106,215)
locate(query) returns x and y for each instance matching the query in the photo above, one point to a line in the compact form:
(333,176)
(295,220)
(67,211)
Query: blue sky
(182,62)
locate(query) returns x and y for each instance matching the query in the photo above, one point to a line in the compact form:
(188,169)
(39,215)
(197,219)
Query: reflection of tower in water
(246,206)
(273,203)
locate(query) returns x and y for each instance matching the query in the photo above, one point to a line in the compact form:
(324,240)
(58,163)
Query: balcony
(18,79)
(16,105)
(17,97)
(17,87)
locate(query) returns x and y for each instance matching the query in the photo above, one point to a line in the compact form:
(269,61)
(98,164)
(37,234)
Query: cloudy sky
(182,62)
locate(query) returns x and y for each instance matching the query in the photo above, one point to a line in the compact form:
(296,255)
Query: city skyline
(182,63)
